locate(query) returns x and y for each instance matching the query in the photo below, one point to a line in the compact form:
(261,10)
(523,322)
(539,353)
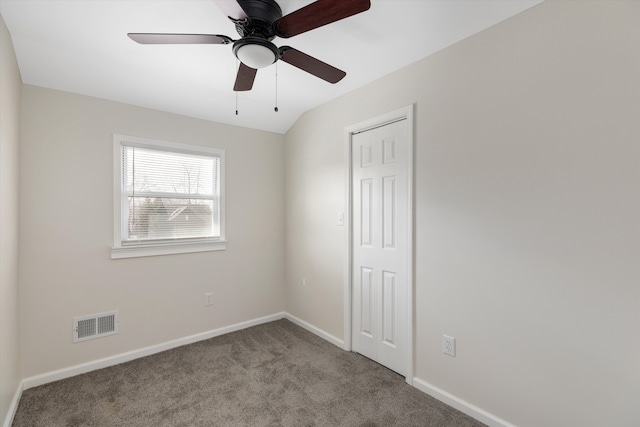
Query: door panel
(388,307)
(365,303)
(388,212)
(366,199)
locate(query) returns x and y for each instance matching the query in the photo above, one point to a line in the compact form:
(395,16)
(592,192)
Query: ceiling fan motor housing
(261,14)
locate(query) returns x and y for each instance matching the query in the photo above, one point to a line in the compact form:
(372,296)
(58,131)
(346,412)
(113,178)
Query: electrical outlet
(304,282)
(208,298)
(449,345)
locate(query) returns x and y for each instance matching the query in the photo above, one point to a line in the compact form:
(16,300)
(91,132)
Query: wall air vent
(95,326)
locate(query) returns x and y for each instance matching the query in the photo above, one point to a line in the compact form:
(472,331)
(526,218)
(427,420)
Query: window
(168,198)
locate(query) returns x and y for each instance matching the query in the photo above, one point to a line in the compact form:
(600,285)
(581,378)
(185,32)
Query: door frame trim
(403,113)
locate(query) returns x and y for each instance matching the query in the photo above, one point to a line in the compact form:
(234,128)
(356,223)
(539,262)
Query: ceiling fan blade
(244,79)
(311,65)
(161,38)
(231,8)
(317,14)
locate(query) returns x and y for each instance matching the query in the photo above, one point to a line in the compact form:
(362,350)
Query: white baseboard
(461,405)
(319,332)
(13,407)
(147,351)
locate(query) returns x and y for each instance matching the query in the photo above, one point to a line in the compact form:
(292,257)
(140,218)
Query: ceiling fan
(258,22)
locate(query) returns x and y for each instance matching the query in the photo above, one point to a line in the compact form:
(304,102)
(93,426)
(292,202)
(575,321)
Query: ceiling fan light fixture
(255,52)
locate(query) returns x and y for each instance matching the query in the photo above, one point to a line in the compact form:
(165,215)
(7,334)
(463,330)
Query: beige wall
(527,222)
(66,200)
(10,86)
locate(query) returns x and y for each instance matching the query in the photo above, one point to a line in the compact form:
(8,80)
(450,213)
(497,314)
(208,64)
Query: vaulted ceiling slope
(81,46)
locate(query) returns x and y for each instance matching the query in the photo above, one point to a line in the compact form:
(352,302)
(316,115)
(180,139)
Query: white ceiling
(81,46)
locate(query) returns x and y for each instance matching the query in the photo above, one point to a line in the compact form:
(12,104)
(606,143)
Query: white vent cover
(95,326)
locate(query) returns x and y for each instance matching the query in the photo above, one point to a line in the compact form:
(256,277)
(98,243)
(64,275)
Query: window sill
(135,251)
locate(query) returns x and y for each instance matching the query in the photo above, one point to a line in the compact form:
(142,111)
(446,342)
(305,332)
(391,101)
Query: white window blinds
(169,195)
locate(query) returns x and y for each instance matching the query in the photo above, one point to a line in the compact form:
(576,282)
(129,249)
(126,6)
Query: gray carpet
(276,374)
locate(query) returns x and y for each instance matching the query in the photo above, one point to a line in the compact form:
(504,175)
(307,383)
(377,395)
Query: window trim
(122,249)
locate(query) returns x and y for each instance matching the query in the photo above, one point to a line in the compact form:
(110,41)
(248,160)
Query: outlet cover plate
(449,345)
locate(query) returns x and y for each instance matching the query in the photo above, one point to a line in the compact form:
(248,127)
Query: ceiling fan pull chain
(276,109)
(237,68)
